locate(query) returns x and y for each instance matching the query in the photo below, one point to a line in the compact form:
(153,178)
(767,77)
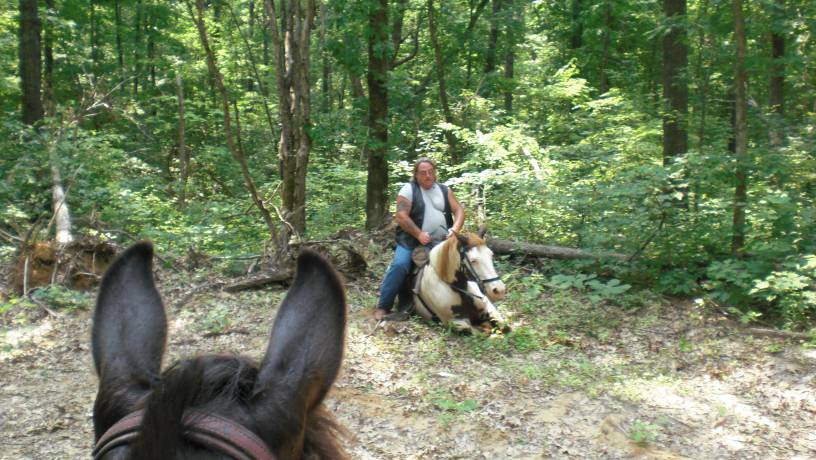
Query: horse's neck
(444,258)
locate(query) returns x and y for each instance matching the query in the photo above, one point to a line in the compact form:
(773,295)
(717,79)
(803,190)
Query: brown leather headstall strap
(212,431)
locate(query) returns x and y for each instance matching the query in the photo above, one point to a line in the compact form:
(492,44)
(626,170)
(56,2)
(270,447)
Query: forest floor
(577,378)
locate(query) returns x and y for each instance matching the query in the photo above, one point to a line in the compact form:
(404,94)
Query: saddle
(405,300)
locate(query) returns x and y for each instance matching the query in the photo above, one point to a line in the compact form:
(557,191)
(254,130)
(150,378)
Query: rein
(211,431)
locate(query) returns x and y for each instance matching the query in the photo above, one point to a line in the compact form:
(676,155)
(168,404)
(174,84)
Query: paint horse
(459,285)
(216,407)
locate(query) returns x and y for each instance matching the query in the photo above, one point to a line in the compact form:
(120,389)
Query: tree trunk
(237,153)
(604,84)
(59,205)
(377,145)
(492,45)
(291,46)
(776,83)
(120,53)
(49,100)
(325,63)
(443,92)
(137,42)
(740,131)
(30,62)
(94,37)
(474,17)
(184,159)
(576,37)
(675,86)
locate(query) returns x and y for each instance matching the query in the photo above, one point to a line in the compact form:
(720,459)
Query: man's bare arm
(458,212)
(404,217)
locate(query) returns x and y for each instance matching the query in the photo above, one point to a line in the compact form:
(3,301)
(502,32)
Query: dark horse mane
(219,384)
(278,399)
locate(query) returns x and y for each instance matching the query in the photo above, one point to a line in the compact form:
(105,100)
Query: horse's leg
(487,307)
(463,325)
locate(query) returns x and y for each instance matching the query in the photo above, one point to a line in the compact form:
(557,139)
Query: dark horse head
(217,407)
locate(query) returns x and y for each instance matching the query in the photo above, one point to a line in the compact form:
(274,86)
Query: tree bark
(238,155)
(377,145)
(740,131)
(291,51)
(577,35)
(30,62)
(120,53)
(539,250)
(675,86)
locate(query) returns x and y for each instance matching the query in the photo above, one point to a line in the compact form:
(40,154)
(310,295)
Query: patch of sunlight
(735,406)
(12,339)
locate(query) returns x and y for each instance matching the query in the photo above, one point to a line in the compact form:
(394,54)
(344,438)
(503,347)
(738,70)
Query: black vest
(418,214)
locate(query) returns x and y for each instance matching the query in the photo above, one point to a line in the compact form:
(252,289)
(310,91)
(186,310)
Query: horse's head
(480,258)
(216,406)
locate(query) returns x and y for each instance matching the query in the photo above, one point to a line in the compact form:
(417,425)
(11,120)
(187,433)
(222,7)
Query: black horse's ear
(482,230)
(304,353)
(129,333)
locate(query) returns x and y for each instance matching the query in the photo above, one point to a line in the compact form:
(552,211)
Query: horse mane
(473,240)
(223,385)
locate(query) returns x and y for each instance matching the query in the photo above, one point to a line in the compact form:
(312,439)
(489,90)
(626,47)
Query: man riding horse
(427,212)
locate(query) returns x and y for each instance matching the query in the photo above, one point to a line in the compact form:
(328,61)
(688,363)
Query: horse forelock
(474,240)
(214,384)
(222,385)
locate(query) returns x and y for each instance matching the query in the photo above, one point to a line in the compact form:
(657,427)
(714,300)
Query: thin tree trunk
(59,205)
(238,155)
(184,159)
(325,62)
(741,131)
(291,45)
(443,92)
(776,83)
(474,17)
(120,53)
(137,39)
(48,75)
(492,45)
(377,145)
(94,37)
(576,38)
(675,86)
(607,38)
(262,88)
(30,62)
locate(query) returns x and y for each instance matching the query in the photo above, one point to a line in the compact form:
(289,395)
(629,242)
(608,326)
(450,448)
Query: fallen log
(540,250)
(259,281)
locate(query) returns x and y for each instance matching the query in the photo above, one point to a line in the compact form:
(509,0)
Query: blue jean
(394,277)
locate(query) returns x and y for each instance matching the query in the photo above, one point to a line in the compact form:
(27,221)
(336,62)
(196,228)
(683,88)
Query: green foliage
(643,433)
(62,298)
(599,290)
(217,319)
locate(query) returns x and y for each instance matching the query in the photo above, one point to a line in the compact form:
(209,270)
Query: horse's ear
(482,231)
(129,332)
(304,353)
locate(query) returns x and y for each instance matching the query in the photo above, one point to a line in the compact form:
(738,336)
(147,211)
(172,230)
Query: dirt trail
(413,391)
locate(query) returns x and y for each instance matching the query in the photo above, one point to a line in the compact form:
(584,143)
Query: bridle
(472,271)
(208,430)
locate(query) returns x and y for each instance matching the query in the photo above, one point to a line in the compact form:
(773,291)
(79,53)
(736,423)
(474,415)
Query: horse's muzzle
(495,290)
